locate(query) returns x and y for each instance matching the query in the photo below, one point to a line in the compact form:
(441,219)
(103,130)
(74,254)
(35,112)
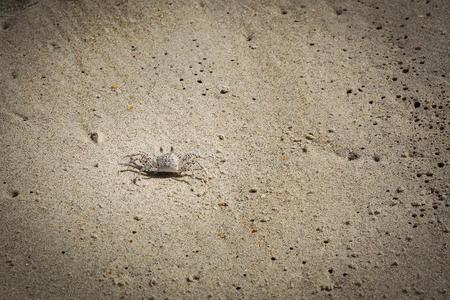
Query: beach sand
(323,128)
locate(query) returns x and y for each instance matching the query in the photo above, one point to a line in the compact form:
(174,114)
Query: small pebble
(224,89)
(152,282)
(352,156)
(137,218)
(400,189)
(97,137)
(221,136)
(253,190)
(310,137)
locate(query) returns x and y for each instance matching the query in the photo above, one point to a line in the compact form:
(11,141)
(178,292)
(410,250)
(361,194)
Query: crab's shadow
(155,175)
(162,175)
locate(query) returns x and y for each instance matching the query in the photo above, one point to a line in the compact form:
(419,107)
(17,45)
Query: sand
(323,127)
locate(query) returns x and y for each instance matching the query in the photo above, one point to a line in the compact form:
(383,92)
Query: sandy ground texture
(323,127)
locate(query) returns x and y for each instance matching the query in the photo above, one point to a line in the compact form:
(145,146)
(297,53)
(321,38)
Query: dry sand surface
(323,127)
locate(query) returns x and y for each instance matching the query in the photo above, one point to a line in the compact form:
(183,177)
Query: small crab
(164,164)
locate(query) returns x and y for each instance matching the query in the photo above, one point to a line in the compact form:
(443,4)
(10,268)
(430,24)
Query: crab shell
(168,163)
